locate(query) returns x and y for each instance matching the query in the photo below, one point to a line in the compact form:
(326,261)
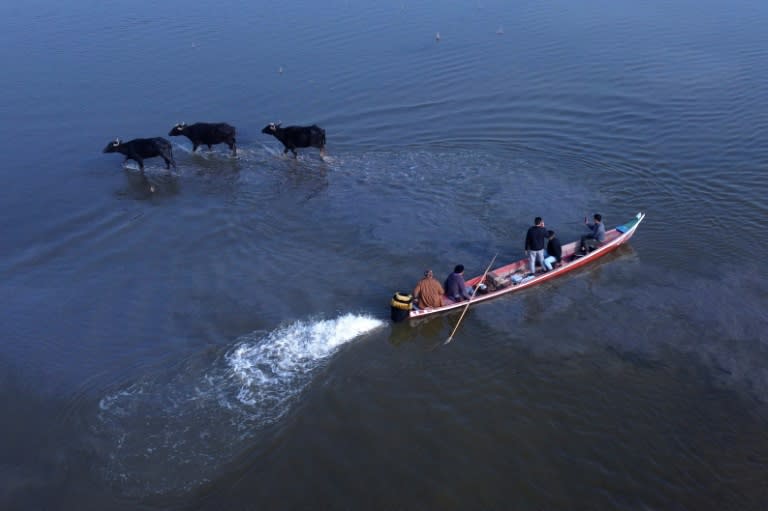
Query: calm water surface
(217,337)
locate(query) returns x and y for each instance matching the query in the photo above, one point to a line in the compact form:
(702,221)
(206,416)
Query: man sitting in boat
(596,235)
(428,293)
(455,287)
(553,253)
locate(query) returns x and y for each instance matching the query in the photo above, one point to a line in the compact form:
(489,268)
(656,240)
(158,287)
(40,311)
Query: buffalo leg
(194,147)
(233,147)
(137,160)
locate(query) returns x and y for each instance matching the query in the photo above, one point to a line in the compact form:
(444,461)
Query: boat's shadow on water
(431,332)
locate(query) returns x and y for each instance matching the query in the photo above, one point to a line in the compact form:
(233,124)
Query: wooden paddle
(474,291)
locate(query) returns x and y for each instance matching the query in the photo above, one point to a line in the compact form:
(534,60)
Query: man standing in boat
(596,234)
(455,287)
(535,241)
(428,293)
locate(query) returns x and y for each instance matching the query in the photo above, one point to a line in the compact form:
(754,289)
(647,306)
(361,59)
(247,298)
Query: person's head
(550,234)
(598,217)
(459,268)
(428,274)
(537,221)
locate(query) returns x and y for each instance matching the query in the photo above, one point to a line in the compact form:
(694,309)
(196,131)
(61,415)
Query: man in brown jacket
(428,292)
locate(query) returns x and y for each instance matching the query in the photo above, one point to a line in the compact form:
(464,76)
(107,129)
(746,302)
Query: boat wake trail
(168,433)
(287,357)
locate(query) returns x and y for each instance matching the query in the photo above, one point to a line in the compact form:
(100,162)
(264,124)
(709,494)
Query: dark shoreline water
(217,337)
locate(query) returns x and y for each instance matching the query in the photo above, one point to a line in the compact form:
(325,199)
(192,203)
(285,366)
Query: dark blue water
(218,337)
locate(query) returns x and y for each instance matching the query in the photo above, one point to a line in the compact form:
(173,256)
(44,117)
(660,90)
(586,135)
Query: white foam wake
(275,368)
(166,432)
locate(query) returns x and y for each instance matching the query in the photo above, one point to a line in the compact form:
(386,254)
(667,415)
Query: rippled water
(218,336)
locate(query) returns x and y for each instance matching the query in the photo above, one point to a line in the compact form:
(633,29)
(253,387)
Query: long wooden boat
(516,277)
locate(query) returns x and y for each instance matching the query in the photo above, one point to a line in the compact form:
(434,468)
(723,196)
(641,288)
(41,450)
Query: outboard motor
(400,306)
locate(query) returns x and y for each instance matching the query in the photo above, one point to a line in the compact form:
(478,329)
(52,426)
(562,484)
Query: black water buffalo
(140,148)
(297,136)
(206,133)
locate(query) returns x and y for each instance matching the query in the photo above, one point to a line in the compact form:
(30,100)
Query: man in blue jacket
(455,287)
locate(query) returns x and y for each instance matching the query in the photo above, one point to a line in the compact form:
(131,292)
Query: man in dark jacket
(455,287)
(535,240)
(554,251)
